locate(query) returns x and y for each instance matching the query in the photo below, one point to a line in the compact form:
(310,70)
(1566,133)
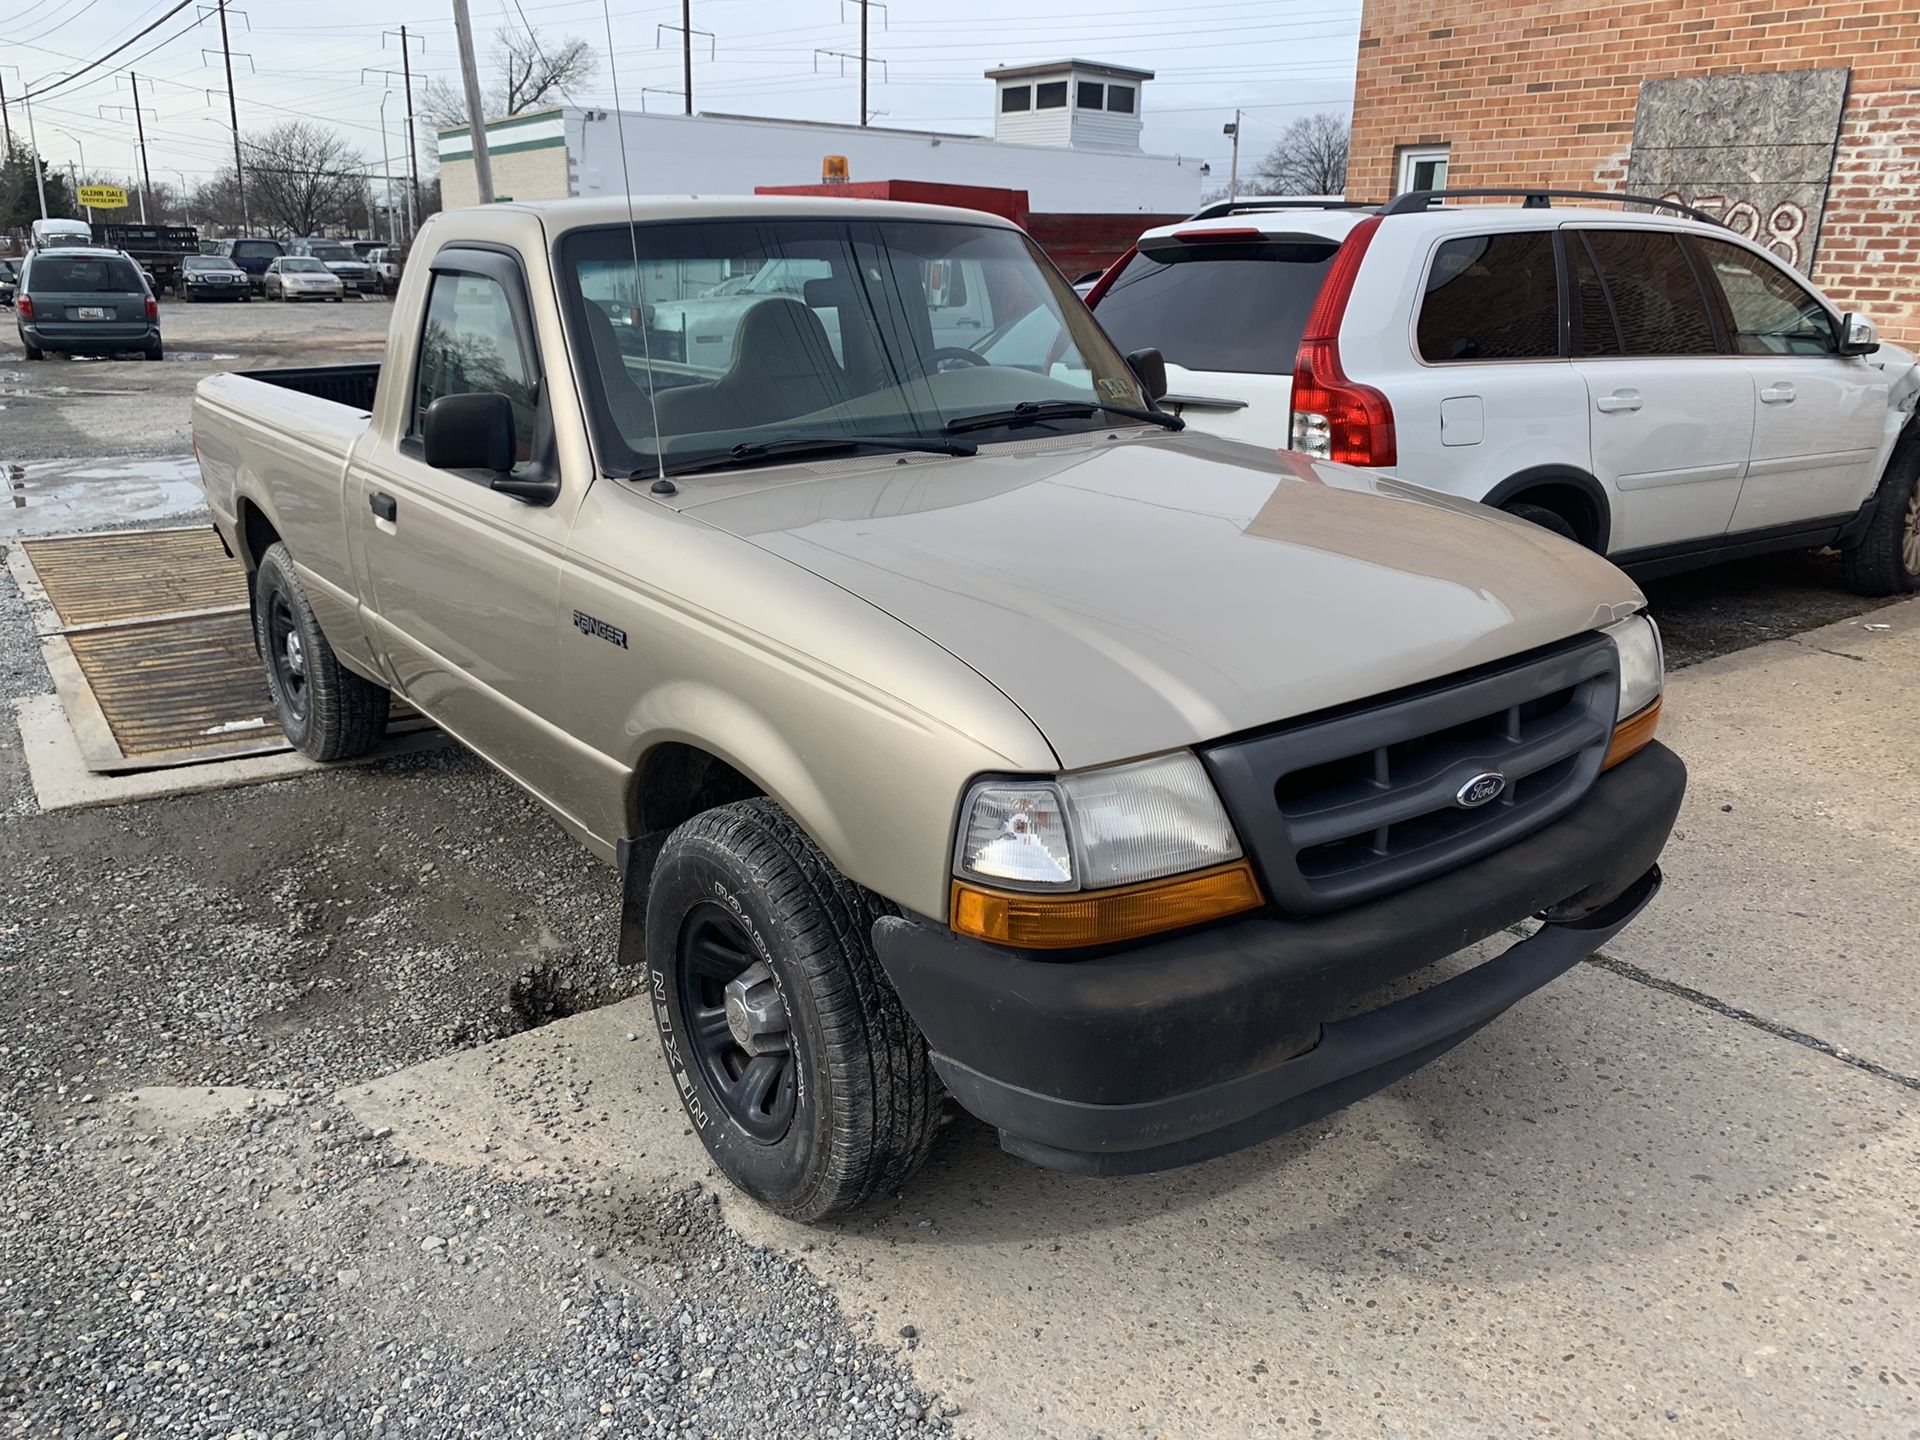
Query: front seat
(783,366)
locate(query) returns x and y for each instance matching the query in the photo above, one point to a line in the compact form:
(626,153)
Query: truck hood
(1139,591)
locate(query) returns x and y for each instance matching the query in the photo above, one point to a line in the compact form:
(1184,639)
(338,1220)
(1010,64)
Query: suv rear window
(1235,307)
(1492,297)
(84,275)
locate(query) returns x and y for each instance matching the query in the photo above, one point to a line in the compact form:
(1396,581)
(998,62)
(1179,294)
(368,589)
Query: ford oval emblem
(1480,790)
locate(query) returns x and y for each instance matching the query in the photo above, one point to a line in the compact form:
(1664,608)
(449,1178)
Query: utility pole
(6,121)
(140,129)
(686,51)
(33,141)
(863,62)
(413,145)
(476,116)
(1233,171)
(233,114)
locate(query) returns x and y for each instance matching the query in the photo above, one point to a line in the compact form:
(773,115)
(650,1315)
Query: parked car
(1651,384)
(952,724)
(301,277)
(389,263)
(355,274)
(85,301)
(9,277)
(214,277)
(253,254)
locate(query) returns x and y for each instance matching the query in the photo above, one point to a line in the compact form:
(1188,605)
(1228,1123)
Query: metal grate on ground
(136,575)
(148,637)
(180,686)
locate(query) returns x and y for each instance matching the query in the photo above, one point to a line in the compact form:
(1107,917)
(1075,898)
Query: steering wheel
(957,353)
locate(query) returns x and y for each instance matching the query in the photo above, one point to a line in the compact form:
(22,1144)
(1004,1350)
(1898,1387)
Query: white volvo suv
(1648,382)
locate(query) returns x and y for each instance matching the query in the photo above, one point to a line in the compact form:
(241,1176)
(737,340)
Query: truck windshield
(870,329)
(336,253)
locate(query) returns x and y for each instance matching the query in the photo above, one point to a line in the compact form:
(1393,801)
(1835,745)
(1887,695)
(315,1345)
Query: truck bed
(349,385)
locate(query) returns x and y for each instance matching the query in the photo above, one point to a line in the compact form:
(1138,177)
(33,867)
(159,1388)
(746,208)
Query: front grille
(1366,801)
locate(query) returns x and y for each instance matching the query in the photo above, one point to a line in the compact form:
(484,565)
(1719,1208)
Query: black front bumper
(1182,1049)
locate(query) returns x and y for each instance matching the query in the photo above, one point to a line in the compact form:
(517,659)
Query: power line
(124,44)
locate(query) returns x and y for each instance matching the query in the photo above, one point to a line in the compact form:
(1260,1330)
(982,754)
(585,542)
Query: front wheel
(1886,560)
(797,1064)
(327,711)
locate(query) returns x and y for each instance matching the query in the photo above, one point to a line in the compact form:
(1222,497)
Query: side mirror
(470,432)
(1150,368)
(1858,336)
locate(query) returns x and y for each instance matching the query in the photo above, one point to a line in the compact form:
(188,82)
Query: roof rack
(1414,202)
(1252,207)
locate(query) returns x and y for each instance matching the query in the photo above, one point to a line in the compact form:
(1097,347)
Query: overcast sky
(1279,59)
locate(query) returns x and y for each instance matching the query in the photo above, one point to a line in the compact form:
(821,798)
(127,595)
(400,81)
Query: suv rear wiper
(801,446)
(1033,412)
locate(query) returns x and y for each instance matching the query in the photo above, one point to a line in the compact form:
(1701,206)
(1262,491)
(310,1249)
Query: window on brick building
(1423,167)
(1653,297)
(1492,297)
(1769,312)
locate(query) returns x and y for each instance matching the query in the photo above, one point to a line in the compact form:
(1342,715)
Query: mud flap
(635,859)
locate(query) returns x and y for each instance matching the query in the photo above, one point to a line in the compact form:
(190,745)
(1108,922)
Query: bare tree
(1311,158)
(528,73)
(302,177)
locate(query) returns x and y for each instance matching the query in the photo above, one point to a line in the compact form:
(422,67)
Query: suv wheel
(1546,519)
(34,352)
(1886,559)
(797,1064)
(327,711)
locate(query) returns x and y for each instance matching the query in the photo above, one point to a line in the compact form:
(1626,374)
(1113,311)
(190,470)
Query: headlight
(1642,666)
(1642,674)
(1097,828)
(1098,856)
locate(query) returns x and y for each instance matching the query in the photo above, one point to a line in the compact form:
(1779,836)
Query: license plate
(92,312)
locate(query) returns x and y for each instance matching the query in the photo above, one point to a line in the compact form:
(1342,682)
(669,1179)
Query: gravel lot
(197,1239)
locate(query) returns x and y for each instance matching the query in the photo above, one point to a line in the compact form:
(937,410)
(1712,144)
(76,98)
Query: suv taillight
(1335,418)
(24,305)
(153,308)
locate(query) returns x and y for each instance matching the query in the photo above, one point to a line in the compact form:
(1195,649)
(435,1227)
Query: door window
(1771,313)
(1654,302)
(469,346)
(1492,297)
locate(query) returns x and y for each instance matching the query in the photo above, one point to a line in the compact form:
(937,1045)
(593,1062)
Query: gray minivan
(85,301)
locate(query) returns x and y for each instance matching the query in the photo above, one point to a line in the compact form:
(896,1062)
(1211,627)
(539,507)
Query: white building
(1082,157)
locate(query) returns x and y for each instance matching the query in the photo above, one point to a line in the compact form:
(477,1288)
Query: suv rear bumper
(1182,1049)
(89,338)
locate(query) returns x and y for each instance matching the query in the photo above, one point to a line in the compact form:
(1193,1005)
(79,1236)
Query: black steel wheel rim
(756,1090)
(286,652)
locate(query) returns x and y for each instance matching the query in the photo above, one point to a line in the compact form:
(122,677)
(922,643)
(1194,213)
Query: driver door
(1819,416)
(464,579)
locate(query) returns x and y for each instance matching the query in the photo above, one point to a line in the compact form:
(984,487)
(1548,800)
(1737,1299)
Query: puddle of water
(46,496)
(199,355)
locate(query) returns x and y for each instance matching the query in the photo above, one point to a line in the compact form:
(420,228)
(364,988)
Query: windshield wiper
(749,452)
(1034,412)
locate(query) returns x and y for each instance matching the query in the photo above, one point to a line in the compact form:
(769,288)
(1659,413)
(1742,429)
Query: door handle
(384,507)
(1780,394)
(1618,401)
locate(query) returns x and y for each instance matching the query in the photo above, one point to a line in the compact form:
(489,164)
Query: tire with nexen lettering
(798,1066)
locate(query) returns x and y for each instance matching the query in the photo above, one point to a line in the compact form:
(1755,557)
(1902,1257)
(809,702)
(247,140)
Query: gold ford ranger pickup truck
(959,727)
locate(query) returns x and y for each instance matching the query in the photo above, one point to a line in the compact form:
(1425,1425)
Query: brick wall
(523,174)
(1542,92)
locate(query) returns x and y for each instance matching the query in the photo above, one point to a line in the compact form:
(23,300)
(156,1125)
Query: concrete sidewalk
(1652,1200)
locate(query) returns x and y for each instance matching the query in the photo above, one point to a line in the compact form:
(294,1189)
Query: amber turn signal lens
(1101,917)
(1632,735)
